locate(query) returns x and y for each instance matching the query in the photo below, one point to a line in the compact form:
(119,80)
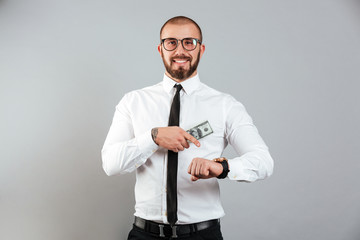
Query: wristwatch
(224,162)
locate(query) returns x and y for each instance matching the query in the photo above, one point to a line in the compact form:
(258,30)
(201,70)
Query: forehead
(180,31)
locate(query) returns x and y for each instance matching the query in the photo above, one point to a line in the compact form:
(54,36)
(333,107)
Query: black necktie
(171,186)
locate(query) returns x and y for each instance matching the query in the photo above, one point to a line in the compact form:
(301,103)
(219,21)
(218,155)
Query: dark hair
(181,20)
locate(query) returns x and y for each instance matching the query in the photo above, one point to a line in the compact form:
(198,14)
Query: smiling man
(173,135)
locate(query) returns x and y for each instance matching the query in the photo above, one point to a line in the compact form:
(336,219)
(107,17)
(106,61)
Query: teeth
(180,61)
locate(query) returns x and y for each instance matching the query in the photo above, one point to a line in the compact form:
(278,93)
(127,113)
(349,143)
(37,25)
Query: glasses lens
(170,44)
(189,43)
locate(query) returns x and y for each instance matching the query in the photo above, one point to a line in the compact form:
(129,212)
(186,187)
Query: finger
(185,143)
(191,139)
(180,147)
(193,168)
(201,170)
(197,170)
(204,171)
(189,168)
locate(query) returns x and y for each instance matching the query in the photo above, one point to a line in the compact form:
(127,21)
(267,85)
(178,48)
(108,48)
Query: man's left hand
(201,168)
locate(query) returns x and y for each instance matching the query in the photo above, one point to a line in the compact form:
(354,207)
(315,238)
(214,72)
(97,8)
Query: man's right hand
(173,138)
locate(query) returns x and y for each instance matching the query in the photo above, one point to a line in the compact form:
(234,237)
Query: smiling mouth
(181,61)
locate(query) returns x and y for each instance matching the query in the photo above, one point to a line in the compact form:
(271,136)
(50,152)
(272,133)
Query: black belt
(165,230)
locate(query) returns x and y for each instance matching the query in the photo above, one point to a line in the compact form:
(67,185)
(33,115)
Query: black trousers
(212,233)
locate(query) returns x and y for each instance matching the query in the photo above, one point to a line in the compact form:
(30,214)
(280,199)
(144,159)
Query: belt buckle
(161,227)
(173,228)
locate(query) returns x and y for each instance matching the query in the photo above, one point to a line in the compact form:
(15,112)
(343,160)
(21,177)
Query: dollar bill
(202,130)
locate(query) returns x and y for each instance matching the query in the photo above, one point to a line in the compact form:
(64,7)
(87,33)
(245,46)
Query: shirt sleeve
(122,151)
(254,161)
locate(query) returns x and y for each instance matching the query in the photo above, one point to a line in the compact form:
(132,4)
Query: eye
(170,41)
(189,41)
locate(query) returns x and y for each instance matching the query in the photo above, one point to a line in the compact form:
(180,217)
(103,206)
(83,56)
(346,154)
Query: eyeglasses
(189,44)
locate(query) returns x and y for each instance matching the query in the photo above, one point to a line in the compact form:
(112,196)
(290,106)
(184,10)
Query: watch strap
(223,161)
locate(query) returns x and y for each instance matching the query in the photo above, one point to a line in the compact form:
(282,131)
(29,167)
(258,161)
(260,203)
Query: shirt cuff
(146,144)
(239,172)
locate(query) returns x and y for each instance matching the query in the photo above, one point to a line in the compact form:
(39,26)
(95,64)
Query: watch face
(220,159)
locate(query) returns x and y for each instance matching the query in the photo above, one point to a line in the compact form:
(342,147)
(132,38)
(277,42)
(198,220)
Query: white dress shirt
(129,146)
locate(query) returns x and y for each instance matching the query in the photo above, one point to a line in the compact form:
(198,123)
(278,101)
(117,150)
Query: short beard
(181,74)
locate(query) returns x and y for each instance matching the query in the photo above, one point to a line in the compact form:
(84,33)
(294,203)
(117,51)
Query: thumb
(193,178)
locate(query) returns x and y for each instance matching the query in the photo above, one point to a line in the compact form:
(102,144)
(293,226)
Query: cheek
(167,59)
(194,58)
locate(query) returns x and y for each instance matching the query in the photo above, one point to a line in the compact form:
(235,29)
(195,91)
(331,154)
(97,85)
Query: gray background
(64,65)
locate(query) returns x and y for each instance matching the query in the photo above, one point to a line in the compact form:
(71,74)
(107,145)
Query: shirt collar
(189,85)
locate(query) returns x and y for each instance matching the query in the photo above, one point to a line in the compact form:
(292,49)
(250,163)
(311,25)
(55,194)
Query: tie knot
(178,87)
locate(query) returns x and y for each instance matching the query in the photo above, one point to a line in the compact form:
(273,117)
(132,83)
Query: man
(177,191)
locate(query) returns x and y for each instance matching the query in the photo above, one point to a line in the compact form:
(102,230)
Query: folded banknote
(202,130)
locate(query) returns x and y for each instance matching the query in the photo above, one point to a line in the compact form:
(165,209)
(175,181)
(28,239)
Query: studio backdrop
(65,65)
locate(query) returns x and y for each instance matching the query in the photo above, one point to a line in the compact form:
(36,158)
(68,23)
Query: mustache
(181,57)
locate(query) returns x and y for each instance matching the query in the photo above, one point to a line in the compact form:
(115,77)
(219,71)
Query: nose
(180,49)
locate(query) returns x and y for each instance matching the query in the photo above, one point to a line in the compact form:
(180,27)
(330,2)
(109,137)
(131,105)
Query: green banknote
(202,130)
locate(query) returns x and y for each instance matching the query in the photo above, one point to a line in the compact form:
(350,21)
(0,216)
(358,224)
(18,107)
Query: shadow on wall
(3,3)
(356,3)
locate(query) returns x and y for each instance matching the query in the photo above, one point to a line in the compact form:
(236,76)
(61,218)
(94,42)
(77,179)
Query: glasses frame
(182,43)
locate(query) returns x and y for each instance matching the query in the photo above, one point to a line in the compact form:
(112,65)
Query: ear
(202,49)
(159,49)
